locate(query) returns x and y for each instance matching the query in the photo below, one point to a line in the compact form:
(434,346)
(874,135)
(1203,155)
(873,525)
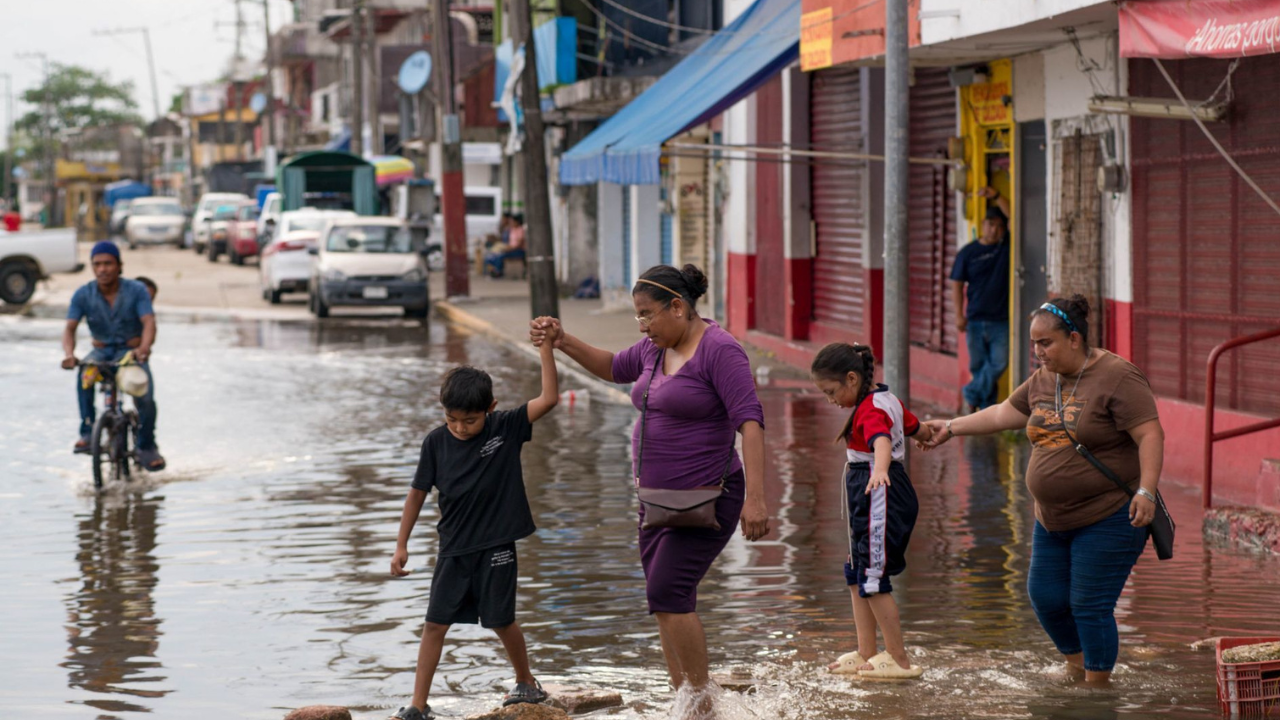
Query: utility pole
(151,63)
(357,86)
(269,86)
(897,323)
(8,136)
(46,155)
(374,92)
(544,295)
(453,201)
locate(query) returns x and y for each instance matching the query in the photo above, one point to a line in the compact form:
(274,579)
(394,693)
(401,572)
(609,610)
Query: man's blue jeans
(1075,580)
(988,357)
(146,404)
(496,261)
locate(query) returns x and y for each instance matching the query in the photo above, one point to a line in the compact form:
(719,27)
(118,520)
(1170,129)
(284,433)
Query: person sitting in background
(515,247)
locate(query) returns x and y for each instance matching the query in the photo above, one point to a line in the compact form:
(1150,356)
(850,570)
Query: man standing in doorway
(981,276)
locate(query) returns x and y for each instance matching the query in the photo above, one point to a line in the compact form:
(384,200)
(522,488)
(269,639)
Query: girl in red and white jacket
(880,503)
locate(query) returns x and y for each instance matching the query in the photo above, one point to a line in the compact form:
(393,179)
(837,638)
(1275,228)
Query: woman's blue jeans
(1075,580)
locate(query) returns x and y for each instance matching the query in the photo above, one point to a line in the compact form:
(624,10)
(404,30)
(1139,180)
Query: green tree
(80,98)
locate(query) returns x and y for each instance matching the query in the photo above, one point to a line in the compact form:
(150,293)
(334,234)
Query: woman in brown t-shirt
(1088,532)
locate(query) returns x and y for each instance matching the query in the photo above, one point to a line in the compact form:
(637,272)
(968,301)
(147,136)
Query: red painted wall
(740,288)
(799,294)
(1119,331)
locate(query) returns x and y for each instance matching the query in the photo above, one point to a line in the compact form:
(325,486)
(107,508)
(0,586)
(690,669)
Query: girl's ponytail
(835,362)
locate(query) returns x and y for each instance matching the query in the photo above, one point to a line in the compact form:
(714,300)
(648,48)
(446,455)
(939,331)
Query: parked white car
(28,257)
(484,217)
(285,263)
(204,210)
(368,261)
(269,218)
(154,220)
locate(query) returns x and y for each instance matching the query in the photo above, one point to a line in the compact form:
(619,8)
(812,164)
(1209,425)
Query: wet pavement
(251,577)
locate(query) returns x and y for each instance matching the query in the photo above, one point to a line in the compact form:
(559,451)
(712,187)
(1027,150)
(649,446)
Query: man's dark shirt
(985,271)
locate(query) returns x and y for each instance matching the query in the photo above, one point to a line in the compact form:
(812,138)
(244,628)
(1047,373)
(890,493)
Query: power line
(627,34)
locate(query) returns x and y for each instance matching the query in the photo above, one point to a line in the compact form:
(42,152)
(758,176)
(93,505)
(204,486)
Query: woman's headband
(660,285)
(1058,311)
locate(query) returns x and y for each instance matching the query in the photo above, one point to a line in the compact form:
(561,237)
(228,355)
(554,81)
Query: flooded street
(251,577)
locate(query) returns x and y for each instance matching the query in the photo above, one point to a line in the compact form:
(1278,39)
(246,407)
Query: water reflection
(113,631)
(293,446)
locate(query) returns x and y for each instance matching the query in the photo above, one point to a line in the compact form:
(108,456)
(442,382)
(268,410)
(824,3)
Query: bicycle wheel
(102,444)
(129,427)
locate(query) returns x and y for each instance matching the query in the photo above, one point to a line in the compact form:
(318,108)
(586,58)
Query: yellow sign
(992,102)
(71,170)
(815,39)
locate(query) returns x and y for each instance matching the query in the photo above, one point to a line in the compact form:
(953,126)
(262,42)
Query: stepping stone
(319,712)
(739,680)
(523,711)
(581,700)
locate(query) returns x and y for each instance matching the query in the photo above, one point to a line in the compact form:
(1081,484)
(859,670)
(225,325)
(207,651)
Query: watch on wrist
(950,433)
(1146,494)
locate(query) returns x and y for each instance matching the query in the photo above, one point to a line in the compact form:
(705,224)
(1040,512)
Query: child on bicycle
(880,502)
(473,462)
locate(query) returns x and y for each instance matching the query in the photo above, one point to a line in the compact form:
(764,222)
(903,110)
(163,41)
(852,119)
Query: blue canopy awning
(723,70)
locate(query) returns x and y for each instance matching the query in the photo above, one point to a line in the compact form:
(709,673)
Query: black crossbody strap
(644,414)
(1084,451)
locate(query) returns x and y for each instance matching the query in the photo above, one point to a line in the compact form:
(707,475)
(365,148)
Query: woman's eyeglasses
(647,320)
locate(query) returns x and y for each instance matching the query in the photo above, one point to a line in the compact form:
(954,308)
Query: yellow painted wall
(987,126)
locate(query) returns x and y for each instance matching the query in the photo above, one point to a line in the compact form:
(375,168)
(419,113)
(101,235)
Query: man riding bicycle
(120,319)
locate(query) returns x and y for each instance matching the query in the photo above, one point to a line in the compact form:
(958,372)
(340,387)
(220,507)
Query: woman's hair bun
(695,281)
(1077,306)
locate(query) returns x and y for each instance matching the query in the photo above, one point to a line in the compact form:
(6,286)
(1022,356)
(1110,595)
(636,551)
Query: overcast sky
(191,39)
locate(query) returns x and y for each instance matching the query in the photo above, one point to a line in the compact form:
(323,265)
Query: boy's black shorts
(476,587)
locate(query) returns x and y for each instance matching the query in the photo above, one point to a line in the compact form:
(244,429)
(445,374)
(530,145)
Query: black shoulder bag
(694,508)
(1162,526)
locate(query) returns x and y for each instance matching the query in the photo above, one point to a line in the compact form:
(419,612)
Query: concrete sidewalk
(501,309)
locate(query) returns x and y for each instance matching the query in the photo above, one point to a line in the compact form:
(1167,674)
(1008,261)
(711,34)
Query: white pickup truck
(26,257)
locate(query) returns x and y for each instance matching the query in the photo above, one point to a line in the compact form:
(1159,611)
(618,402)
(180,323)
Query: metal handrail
(1210,401)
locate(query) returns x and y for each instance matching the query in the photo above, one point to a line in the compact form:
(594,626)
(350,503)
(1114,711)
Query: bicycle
(110,442)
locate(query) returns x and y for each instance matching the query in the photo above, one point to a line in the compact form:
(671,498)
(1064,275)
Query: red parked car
(242,234)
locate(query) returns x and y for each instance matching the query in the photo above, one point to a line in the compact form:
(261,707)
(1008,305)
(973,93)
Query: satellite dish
(415,72)
(258,102)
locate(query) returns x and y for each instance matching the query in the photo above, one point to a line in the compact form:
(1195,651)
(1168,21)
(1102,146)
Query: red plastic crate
(1249,688)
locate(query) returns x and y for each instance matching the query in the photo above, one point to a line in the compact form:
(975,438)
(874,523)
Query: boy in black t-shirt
(473,461)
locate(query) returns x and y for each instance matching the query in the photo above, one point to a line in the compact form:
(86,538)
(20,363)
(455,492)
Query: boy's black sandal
(526,693)
(409,712)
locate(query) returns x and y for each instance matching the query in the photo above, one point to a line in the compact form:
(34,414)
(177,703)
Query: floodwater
(251,577)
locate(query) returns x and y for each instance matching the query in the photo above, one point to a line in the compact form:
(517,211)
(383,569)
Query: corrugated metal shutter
(626,236)
(839,217)
(1205,250)
(931,215)
(771,281)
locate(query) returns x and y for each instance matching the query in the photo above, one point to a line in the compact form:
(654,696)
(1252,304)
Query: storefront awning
(1178,29)
(391,169)
(723,70)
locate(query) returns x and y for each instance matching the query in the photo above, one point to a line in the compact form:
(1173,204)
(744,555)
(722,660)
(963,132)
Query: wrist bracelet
(1146,494)
(950,433)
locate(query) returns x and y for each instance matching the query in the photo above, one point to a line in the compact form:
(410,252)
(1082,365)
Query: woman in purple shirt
(700,395)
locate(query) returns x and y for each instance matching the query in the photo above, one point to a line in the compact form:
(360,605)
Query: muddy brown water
(250,578)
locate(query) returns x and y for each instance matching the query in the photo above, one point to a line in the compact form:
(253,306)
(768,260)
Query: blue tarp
(340,142)
(557,44)
(124,190)
(738,59)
